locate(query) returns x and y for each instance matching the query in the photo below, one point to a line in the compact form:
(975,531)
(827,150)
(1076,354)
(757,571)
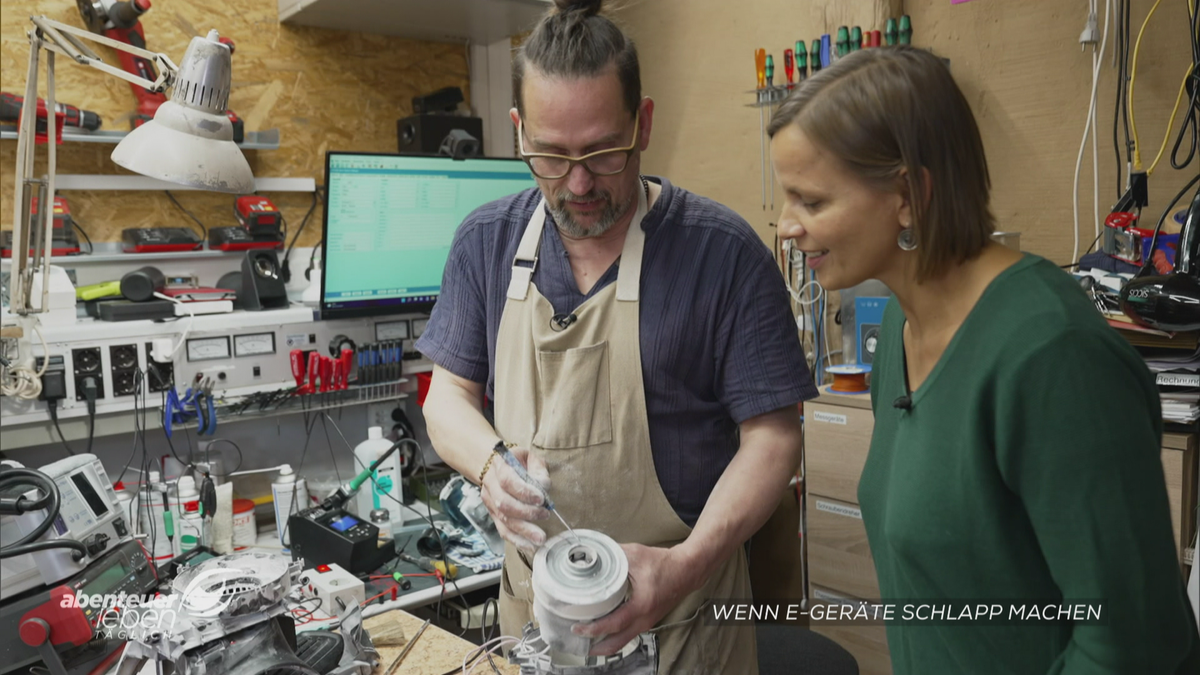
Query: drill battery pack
(159,239)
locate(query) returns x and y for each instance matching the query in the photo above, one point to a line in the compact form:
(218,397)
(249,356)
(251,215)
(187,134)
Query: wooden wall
(323,89)
(1018,61)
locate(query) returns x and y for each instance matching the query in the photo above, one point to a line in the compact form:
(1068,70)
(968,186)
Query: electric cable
(91,246)
(1089,129)
(1137,47)
(52,408)
(1187,77)
(23,382)
(191,320)
(203,228)
(138,432)
(1191,120)
(53,502)
(286,266)
(1162,219)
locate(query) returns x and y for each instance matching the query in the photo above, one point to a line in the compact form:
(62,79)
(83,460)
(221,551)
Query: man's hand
(514,503)
(659,582)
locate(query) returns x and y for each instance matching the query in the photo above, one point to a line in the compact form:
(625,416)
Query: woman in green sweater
(1017,437)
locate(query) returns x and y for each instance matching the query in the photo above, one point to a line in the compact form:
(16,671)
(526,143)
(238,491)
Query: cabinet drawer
(866,643)
(838,555)
(1179,470)
(836,440)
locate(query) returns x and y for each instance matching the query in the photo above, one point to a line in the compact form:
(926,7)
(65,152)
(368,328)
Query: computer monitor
(389,222)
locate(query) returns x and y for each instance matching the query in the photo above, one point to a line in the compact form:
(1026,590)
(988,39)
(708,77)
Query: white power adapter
(335,587)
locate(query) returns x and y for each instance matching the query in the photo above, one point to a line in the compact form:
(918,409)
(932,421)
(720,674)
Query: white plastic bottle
(185,491)
(189,531)
(125,507)
(388,473)
(150,517)
(291,496)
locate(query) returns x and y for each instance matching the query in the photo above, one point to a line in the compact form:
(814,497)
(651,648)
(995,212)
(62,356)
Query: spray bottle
(291,496)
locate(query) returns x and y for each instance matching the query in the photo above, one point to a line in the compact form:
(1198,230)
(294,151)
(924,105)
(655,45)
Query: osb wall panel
(323,89)
(1018,62)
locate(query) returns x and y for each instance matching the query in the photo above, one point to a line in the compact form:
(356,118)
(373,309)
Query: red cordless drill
(118,19)
(10,111)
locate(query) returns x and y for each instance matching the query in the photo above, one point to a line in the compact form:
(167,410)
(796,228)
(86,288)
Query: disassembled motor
(579,577)
(226,616)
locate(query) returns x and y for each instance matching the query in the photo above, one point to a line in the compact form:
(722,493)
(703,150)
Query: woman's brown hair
(896,111)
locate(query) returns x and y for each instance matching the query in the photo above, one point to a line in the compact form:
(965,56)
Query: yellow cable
(1137,150)
(1183,85)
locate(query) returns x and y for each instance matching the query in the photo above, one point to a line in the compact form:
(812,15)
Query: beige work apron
(575,397)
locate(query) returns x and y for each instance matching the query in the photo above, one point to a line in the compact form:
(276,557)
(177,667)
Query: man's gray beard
(570,227)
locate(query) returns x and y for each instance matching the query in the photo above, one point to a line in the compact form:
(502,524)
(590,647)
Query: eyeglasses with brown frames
(600,163)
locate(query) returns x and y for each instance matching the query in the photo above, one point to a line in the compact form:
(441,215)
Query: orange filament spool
(849,379)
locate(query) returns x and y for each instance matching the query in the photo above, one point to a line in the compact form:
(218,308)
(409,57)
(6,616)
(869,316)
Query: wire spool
(577,577)
(849,379)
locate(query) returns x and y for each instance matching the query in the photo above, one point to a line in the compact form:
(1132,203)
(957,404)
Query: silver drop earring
(907,240)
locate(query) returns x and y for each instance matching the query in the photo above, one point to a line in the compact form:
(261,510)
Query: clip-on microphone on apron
(516,465)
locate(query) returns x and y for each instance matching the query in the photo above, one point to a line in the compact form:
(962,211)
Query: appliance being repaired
(577,576)
(228,615)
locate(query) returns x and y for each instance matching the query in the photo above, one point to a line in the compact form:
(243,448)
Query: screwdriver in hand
(518,467)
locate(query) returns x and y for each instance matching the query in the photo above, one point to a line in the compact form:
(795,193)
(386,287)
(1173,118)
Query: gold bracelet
(486,465)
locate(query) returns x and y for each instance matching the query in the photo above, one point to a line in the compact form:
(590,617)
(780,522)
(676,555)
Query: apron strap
(629,276)
(527,252)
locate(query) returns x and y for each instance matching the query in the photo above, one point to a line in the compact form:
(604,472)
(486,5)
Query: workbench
(436,652)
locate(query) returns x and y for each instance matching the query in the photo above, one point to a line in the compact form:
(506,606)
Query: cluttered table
(435,652)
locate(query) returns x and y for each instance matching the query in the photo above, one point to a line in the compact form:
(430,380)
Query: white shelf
(254,140)
(479,21)
(127,182)
(110,252)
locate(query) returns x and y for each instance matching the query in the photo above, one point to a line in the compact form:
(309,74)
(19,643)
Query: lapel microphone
(903,403)
(560,322)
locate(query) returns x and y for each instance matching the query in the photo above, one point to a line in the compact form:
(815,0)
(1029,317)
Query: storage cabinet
(837,435)
(1179,469)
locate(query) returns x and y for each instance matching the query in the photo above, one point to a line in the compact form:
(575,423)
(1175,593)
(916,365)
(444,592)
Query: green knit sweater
(1027,468)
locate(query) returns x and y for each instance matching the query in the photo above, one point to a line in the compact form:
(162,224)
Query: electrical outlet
(159,376)
(123,357)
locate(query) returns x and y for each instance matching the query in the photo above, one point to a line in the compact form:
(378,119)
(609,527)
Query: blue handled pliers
(206,410)
(174,412)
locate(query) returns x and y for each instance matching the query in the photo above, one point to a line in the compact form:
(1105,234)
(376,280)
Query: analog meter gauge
(256,343)
(207,349)
(391,330)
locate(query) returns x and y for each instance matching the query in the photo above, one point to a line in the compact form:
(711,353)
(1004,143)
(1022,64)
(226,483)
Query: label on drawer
(839,509)
(827,597)
(828,417)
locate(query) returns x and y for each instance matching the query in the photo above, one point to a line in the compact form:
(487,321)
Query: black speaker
(262,284)
(425,133)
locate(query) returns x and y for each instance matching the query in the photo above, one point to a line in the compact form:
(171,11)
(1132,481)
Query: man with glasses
(637,347)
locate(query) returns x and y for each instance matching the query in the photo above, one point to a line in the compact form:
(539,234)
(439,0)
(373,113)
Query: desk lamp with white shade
(189,142)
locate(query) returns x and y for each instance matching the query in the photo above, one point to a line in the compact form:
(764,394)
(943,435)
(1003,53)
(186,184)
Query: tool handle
(297,358)
(314,371)
(789,64)
(760,66)
(523,473)
(346,359)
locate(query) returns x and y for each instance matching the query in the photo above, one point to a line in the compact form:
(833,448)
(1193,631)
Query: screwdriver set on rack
(800,63)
